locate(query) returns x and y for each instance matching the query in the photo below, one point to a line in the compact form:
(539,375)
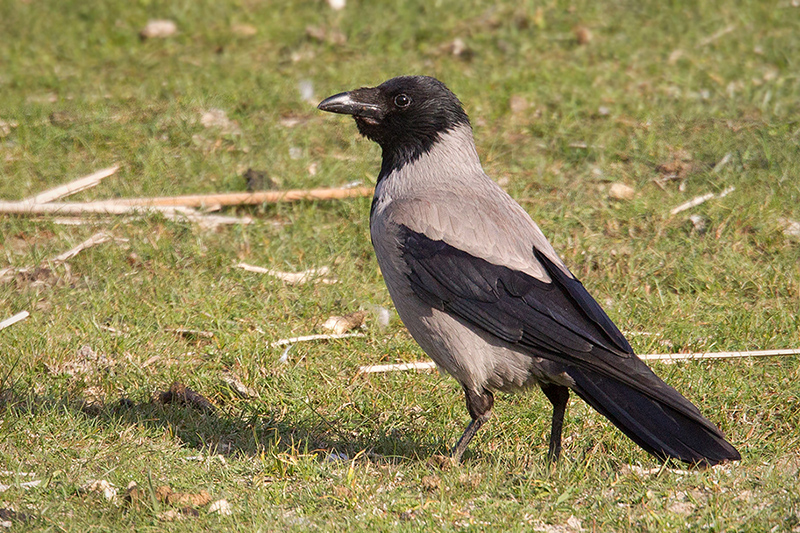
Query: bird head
(404,115)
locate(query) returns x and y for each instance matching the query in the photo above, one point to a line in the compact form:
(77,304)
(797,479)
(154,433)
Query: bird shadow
(244,429)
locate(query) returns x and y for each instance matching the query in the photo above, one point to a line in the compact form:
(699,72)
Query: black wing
(558,321)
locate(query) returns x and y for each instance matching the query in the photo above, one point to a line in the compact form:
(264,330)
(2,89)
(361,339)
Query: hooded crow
(484,293)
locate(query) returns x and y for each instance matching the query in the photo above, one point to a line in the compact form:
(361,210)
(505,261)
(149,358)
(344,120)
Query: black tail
(652,424)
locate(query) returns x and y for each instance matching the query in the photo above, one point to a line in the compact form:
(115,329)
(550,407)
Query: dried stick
(292,340)
(97,238)
(72,187)
(245,198)
(427,365)
(697,200)
(109,208)
(717,355)
(711,38)
(419,365)
(22,315)
(293,278)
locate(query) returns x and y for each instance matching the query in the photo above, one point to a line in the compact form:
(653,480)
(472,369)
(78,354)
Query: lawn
(569,101)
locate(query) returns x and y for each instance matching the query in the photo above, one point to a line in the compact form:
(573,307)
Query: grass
(659,84)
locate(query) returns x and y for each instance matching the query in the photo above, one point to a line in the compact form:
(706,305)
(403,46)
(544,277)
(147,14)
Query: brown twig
(245,198)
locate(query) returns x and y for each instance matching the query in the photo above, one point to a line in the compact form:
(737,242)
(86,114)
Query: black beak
(361,103)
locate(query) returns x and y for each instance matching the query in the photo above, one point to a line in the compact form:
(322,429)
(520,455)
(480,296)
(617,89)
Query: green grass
(658,82)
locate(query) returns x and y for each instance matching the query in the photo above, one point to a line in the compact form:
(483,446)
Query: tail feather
(652,424)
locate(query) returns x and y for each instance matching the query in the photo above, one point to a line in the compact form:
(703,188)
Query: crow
(484,293)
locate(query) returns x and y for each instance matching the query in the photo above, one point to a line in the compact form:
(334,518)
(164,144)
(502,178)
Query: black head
(405,115)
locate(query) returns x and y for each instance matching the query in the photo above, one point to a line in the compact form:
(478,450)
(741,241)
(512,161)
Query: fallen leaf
(170,516)
(181,394)
(317,33)
(473,479)
(582,34)
(6,126)
(573,525)
(259,180)
(87,361)
(238,387)
(458,48)
(700,224)
(221,507)
(431,483)
(217,118)
(323,35)
(518,104)
(620,191)
(102,486)
(677,168)
(682,508)
(165,494)
(343,324)
(442,462)
(9,516)
(791,228)
(245,30)
(291,121)
(158,29)
(133,495)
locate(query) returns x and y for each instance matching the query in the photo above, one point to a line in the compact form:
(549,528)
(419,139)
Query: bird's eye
(402,100)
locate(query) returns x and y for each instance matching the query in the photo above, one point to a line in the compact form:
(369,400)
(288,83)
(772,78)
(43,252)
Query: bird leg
(479,405)
(558,396)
